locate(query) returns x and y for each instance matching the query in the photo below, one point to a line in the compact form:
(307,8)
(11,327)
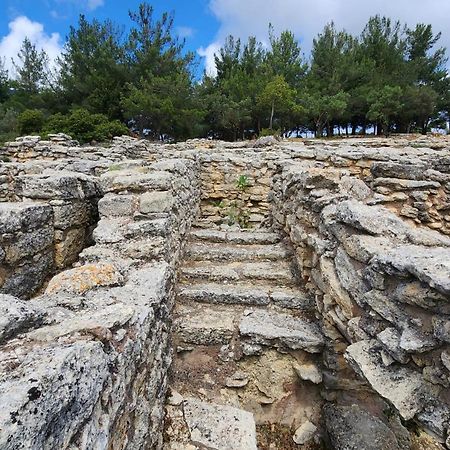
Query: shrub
(269,132)
(58,123)
(85,126)
(108,130)
(242,182)
(9,125)
(31,121)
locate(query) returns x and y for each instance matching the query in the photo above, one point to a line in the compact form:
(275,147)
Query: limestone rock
(204,326)
(265,141)
(391,340)
(271,328)
(82,279)
(17,316)
(41,408)
(156,202)
(352,428)
(304,433)
(219,427)
(308,372)
(112,205)
(237,380)
(60,185)
(403,387)
(135,181)
(430,265)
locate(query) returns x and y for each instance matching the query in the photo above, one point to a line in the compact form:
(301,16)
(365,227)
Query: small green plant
(114,167)
(238,215)
(242,182)
(218,203)
(243,219)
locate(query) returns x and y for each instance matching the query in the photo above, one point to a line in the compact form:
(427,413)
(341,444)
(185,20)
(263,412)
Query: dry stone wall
(46,230)
(382,288)
(409,178)
(84,364)
(94,373)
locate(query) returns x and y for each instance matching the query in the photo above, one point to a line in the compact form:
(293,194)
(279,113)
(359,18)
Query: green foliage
(32,68)
(30,121)
(269,132)
(218,203)
(385,105)
(389,78)
(242,182)
(84,126)
(237,214)
(9,126)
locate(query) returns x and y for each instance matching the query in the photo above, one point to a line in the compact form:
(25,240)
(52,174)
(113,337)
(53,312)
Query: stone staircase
(240,308)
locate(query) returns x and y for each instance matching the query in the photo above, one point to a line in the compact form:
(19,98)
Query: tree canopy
(388,79)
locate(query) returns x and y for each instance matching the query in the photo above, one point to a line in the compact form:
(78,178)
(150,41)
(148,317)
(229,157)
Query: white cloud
(306,18)
(23,27)
(94,4)
(208,53)
(89,5)
(184,32)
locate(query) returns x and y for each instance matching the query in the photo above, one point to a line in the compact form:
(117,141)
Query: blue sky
(206,23)
(194,20)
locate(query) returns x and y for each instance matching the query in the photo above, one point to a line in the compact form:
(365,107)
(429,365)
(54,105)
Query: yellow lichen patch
(85,278)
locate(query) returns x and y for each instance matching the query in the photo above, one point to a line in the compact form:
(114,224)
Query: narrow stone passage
(245,335)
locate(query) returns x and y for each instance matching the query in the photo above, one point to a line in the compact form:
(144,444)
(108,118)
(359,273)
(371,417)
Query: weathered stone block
(156,202)
(113,205)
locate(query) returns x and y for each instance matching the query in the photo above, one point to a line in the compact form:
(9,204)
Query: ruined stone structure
(271,295)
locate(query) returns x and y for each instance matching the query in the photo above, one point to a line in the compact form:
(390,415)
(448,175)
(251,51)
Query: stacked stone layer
(85,363)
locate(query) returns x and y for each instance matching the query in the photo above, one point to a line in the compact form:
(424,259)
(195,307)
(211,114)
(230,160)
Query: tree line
(106,82)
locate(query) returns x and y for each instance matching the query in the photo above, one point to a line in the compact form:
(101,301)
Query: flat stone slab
(202,325)
(430,265)
(17,316)
(219,427)
(228,252)
(403,387)
(224,294)
(236,237)
(260,270)
(281,330)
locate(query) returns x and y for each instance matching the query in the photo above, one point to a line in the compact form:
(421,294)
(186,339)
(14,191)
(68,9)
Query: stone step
(205,325)
(235,237)
(274,329)
(222,427)
(245,294)
(234,252)
(279,272)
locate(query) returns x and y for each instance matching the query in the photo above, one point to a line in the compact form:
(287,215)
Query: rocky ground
(270,294)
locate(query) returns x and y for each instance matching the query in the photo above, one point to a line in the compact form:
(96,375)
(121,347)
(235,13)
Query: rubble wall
(235,188)
(49,224)
(94,374)
(408,177)
(382,294)
(85,363)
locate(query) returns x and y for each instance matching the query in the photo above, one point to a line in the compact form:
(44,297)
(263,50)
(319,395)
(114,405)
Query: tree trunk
(271,114)
(329,130)
(141,126)
(379,129)
(425,127)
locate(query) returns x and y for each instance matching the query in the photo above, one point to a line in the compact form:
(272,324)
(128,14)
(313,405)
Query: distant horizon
(204,24)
